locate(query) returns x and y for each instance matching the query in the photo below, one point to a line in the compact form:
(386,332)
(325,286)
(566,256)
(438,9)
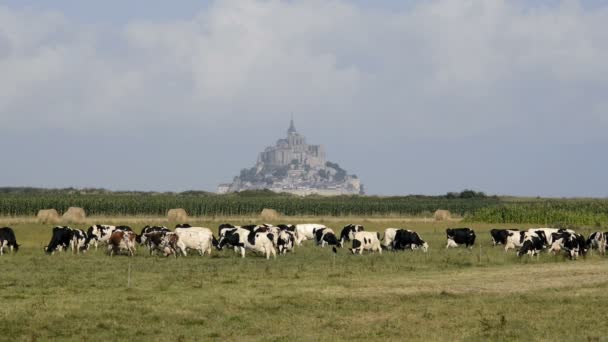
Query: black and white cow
(306,231)
(516,239)
(499,236)
(369,241)
(286,241)
(408,239)
(288,227)
(348,232)
(459,236)
(142,238)
(533,244)
(8,240)
(60,240)
(80,241)
(243,239)
(597,240)
(326,236)
(573,244)
(99,233)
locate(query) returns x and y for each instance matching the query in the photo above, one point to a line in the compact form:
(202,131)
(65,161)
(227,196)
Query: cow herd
(267,239)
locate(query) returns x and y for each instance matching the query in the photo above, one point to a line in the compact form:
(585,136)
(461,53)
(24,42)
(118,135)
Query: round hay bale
(442,215)
(178,215)
(46,216)
(74,215)
(269,214)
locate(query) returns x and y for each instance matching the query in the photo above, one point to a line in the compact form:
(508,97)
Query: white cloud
(437,69)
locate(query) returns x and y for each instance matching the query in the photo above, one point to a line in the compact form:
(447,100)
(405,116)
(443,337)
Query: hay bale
(178,215)
(74,215)
(269,214)
(442,215)
(47,216)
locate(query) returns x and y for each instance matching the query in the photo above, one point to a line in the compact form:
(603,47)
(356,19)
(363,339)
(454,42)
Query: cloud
(439,69)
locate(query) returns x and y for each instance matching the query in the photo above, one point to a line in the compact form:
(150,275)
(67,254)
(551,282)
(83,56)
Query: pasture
(480,294)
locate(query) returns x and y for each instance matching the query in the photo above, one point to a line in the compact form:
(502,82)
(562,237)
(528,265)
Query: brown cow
(121,240)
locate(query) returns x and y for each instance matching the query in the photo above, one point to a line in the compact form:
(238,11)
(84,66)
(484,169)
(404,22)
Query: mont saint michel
(294,166)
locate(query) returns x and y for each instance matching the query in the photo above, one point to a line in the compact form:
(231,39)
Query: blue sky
(426,97)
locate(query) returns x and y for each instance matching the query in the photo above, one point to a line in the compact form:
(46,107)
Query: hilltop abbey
(295,167)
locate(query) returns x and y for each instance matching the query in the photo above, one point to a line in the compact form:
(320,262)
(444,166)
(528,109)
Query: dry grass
(269,215)
(442,215)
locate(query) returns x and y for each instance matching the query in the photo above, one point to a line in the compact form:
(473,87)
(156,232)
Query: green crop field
(475,295)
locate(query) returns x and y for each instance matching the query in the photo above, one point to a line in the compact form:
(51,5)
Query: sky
(415,97)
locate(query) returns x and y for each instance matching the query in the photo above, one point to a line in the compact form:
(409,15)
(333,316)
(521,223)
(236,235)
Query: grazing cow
(516,239)
(60,240)
(349,231)
(533,245)
(500,236)
(201,240)
(389,237)
(161,241)
(122,240)
(369,241)
(574,244)
(288,227)
(244,239)
(409,239)
(597,240)
(458,236)
(7,239)
(286,241)
(99,233)
(546,234)
(306,231)
(327,236)
(147,230)
(80,241)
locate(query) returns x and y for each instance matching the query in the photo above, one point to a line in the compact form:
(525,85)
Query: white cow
(369,241)
(198,239)
(389,237)
(306,231)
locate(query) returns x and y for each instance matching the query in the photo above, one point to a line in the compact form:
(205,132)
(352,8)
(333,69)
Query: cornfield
(228,205)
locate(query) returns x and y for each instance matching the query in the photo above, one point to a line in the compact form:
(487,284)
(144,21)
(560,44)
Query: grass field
(479,295)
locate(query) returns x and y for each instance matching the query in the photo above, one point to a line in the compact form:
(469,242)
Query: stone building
(293,166)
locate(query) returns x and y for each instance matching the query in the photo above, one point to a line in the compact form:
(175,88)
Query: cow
(389,237)
(243,239)
(147,230)
(499,236)
(285,241)
(8,240)
(306,231)
(60,240)
(405,238)
(597,240)
(121,240)
(201,240)
(80,241)
(327,236)
(161,241)
(533,244)
(348,232)
(288,227)
(99,233)
(546,234)
(369,241)
(460,236)
(574,244)
(516,239)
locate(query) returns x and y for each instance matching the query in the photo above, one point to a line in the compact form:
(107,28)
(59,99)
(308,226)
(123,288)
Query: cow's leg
(242,252)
